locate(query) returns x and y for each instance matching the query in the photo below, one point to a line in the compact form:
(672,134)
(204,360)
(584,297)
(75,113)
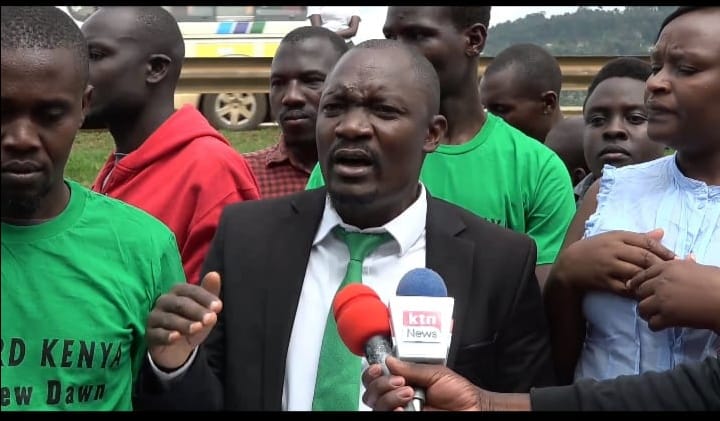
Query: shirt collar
(279,155)
(405,228)
(584,185)
(688,183)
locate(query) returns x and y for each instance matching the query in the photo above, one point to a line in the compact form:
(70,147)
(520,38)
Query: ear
(86,102)
(157,67)
(578,174)
(475,36)
(436,131)
(550,102)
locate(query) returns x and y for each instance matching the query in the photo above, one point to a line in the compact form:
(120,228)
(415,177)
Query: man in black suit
(280,266)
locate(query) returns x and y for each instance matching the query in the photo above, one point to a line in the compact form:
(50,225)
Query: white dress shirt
(329,256)
(382,271)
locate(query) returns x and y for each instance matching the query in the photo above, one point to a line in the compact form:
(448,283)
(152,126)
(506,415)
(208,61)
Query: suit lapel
(452,257)
(290,248)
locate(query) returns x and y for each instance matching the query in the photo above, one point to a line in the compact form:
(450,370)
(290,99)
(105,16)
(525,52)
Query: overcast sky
(373,17)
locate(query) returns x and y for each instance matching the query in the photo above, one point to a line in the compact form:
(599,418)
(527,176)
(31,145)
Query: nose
(20,135)
(354,125)
(657,83)
(615,129)
(293,97)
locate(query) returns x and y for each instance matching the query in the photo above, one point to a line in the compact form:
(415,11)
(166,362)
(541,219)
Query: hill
(587,31)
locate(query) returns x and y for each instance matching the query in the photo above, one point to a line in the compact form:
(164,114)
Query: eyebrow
(47,103)
(625,107)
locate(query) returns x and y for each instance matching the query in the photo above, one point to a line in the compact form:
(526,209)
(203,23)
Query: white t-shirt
(334,18)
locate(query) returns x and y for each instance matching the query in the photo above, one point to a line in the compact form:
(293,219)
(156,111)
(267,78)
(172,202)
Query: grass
(92,148)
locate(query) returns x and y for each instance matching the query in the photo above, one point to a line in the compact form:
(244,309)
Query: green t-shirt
(505,177)
(76,294)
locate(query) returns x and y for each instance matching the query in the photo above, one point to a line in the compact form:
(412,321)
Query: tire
(234,110)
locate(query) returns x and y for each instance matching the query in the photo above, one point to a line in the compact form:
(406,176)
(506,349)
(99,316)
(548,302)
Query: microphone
(421,322)
(363,323)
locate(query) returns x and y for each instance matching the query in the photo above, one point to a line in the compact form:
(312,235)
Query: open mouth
(295,115)
(352,163)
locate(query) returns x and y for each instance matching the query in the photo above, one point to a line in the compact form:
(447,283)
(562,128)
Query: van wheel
(234,110)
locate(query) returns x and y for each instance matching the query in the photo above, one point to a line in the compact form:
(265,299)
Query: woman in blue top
(641,291)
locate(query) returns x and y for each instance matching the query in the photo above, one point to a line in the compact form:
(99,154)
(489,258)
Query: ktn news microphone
(421,322)
(363,323)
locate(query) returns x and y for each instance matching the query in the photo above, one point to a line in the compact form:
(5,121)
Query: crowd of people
(583,254)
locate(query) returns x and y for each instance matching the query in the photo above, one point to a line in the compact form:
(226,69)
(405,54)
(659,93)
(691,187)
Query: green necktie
(337,386)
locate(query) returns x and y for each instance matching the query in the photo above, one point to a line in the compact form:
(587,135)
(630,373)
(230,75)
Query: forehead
(501,84)
(617,91)
(363,68)
(308,54)
(694,31)
(426,16)
(43,72)
(112,23)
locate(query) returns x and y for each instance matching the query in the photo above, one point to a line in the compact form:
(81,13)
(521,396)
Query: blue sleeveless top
(640,198)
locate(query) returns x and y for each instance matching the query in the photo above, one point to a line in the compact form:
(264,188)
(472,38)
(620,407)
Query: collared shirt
(582,187)
(277,173)
(640,198)
(382,271)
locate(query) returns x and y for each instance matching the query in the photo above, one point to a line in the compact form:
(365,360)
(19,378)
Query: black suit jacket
(261,249)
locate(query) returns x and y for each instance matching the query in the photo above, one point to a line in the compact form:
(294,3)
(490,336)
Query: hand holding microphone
(421,314)
(445,389)
(421,323)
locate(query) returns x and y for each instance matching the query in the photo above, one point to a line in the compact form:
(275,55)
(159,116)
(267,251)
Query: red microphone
(363,323)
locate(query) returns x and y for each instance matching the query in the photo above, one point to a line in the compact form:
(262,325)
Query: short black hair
(161,29)
(535,68)
(463,17)
(44,27)
(630,67)
(681,10)
(306,32)
(159,33)
(424,71)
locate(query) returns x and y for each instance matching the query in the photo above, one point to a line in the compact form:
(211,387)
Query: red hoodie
(183,174)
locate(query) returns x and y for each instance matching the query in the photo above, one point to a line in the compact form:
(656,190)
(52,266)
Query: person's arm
(687,387)
(315,20)
(563,303)
(315,15)
(190,347)
(352,28)
(550,213)
(167,271)
(576,230)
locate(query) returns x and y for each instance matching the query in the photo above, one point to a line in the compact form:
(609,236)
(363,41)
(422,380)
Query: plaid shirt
(276,172)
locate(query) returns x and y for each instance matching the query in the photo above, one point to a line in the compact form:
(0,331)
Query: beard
(352,200)
(23,205)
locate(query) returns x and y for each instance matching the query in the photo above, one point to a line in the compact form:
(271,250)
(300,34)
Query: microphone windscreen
(422,282)
(360,315)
